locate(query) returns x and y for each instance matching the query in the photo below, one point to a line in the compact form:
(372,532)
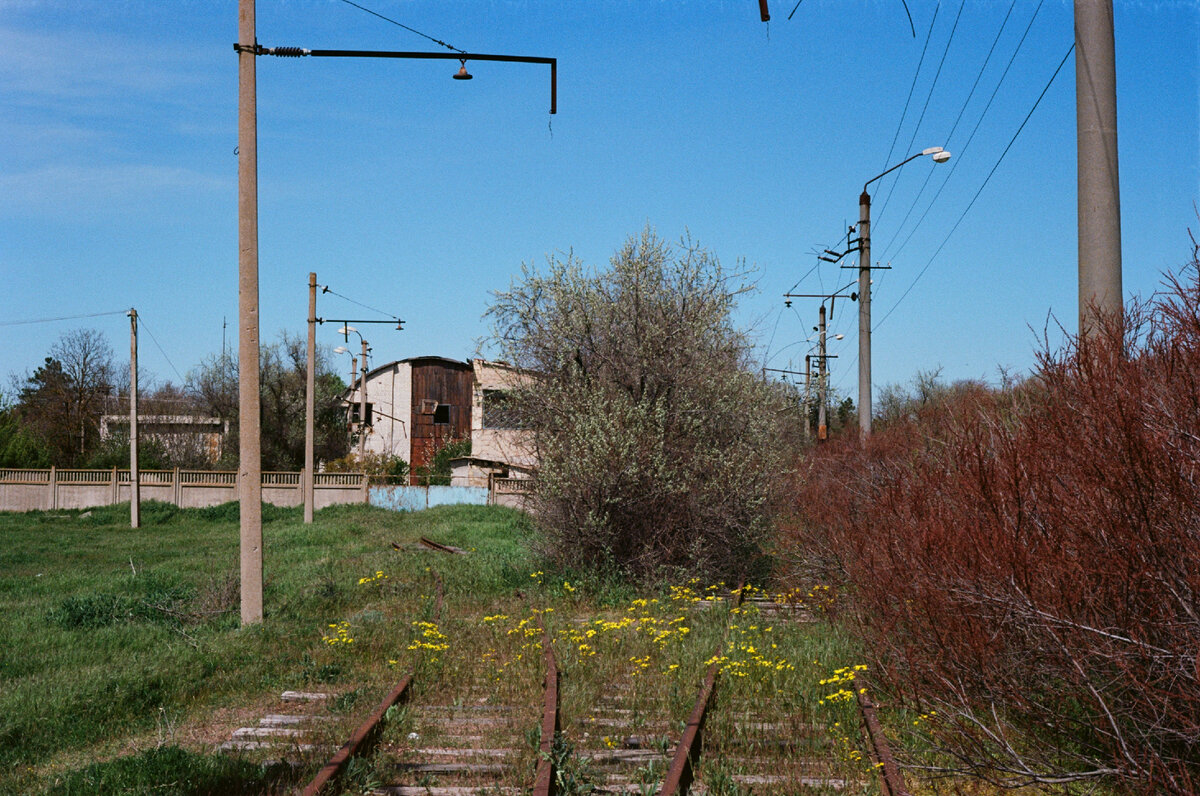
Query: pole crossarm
(399,323)
(299,52)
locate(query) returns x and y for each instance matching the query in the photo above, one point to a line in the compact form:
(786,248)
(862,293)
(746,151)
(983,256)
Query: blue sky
(419,195)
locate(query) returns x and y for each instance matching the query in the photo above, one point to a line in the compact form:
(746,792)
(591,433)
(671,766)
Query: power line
(928,97)
(63,318)
(142,323)
(1050,82)
(912,88)
(949,136)
(971,137)
(402,25)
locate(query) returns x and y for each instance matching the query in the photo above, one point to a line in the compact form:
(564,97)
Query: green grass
(116,638)
(125,663)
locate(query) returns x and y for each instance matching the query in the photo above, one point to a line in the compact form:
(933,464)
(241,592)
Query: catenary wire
(953,129)
(971,137)
(971,204)
(928,98)
(912,88)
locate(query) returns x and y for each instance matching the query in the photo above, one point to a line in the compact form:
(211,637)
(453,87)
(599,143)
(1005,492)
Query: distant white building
(178,434)
(417,405)
(499,445)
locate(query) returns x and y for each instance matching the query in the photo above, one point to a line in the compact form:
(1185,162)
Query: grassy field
(124,664)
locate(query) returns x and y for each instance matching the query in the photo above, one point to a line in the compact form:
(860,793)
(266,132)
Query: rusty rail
(681,773)
(687,754)
(363,738)
(546,779)
(891,779)
(441,548)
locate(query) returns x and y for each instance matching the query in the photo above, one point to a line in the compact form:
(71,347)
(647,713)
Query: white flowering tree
(659,446)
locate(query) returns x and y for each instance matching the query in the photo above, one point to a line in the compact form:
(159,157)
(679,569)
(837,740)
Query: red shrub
(1029,559)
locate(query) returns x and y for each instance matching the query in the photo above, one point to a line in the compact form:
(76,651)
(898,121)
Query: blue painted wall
(416,498)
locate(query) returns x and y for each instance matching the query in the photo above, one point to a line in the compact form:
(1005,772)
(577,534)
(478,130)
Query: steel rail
(687,754)
(441,548)
(546,779)
(891,778)
(363,738)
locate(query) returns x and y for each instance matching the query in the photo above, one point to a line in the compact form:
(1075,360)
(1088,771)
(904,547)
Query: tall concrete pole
(362,406)
(353,380)
(807,395)
(135,479)
(822,427)
(249,440)
(310,399)
(1099,196)
(864,314)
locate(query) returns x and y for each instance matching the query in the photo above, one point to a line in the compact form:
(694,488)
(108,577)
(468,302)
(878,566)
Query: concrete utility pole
(310,400)
(249,401)
(1099,194)
(864,314)
(135,479)
(939,155)
(822,427)
(362,406)
(807,394)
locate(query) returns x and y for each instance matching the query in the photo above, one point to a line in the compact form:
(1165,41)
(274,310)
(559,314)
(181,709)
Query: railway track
(633,737)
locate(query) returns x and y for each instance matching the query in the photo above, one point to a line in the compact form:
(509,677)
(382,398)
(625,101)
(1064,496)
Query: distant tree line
(53,415)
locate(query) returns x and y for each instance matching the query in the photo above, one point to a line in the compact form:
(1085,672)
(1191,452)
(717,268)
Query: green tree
(283,365)
(59,406)
(660,448)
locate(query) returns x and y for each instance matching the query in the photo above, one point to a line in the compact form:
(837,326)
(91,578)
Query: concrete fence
(29,490)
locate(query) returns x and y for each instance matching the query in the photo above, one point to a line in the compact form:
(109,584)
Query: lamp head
(341,350)
(941,156)
(346,330)
(462,73)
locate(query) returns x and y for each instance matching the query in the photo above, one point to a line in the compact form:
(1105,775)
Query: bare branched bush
(1027,560)
(658,448)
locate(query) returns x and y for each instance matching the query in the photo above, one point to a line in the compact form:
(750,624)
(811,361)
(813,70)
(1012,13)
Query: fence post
(53,487)
(366,488)
(116,487)
(177,488)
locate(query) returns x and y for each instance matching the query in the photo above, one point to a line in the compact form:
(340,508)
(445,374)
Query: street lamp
(362,399)
(353,365)
(939,155)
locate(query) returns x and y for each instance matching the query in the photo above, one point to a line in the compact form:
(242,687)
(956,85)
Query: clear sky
(419,195)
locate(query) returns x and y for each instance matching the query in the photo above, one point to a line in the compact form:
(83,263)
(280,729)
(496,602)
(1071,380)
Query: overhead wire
(406,27)
(987,179)
(954,127)
(966,146)
(327,289)
(928,97)
(917,74)
(142,324)
(63,318)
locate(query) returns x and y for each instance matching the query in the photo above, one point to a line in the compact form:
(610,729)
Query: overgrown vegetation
(1026,561)
(659,448)
(120,639)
